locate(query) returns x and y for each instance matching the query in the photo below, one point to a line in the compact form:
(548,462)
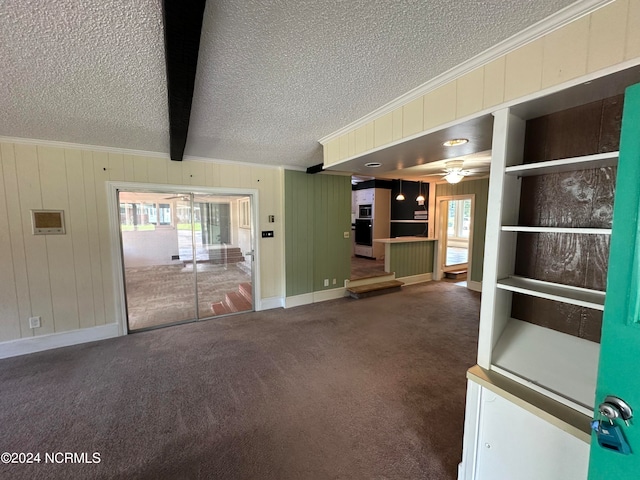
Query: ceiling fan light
(453,177)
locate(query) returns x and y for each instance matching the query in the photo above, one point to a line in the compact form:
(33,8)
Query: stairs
(220,256)
(456,274)
(375,285)
(240,301)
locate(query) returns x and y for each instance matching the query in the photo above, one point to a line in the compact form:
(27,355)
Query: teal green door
(619,370)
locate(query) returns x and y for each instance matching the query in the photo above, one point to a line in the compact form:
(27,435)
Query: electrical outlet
(34,322)
(346,235)
(334,281)
(326,282)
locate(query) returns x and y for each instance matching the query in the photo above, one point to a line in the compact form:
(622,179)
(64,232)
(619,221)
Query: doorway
(455,234)
(186,256)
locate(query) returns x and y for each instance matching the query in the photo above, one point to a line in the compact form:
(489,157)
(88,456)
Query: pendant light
(400,195)
(420,197)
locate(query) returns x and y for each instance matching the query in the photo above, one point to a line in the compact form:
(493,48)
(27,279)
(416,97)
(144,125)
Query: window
(459,218)
(144,216)
(245,213)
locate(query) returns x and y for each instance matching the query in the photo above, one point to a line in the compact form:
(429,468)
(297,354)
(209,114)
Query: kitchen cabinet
(380,201)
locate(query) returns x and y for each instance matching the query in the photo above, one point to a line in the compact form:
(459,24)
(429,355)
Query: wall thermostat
(47,222)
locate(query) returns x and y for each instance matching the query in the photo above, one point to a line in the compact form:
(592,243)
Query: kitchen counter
(404,239)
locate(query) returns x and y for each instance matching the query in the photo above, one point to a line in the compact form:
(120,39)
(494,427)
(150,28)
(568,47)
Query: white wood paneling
(35,245)
(8,294)
(157,171)
(116,166)
(94,237)
(78,228)
(68,279)
(16,245)
(101,176)
(55,196)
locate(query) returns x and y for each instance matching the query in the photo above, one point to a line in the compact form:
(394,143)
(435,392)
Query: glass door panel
(458,225)
(157,252)
(224,246)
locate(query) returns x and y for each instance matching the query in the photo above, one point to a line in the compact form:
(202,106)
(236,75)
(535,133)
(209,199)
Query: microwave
(365,211)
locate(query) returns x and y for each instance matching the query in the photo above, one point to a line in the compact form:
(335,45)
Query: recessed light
(373,164)
(455,141)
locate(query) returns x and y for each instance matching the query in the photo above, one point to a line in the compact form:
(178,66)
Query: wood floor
(366,267)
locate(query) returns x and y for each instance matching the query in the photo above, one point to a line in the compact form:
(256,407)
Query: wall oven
(364,232)
(365,211)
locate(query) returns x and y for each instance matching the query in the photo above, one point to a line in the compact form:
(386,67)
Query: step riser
(375,292)
(370,280)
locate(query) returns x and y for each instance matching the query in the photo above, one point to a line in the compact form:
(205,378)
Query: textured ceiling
(274,76)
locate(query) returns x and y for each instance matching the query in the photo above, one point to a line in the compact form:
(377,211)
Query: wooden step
(236,302)
(356,282)
(219,308)
(372,289)
(246,291)
(455,274)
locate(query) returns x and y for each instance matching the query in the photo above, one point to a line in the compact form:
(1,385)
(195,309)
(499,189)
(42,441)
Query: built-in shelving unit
(548,240)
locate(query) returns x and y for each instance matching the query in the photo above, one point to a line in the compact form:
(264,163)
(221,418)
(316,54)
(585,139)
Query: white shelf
(582,297)
(587,231)
(599,160)
(564,365)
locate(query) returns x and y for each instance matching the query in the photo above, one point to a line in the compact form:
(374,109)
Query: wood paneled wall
(604,38)
(411,258)
(67,279)
(318,212)
(582,198)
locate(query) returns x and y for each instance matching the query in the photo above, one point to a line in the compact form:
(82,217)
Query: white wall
(68,280)
(143,248)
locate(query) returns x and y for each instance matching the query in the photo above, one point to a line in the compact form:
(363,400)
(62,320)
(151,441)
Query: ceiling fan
(454,170)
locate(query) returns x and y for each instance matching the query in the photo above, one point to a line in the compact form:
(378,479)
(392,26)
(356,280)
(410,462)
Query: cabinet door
(620,345)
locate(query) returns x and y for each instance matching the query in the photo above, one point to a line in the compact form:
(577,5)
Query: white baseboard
(269,303)
(475,286)
(23,346)
(314,297)
(413,279)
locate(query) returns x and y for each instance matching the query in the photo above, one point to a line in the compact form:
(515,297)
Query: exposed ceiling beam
(182,27)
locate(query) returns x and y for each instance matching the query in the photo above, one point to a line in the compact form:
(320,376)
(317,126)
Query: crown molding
(127,151)
(561,18)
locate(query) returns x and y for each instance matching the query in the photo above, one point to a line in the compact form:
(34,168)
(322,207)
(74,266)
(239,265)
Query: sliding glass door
(186,256)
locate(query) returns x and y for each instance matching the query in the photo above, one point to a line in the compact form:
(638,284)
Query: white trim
(269,303)
(314,297)
(475,286)
(39,343)
(413,279)
(324,295)
(114,233)
(126,151)
(529,34)
(297,300)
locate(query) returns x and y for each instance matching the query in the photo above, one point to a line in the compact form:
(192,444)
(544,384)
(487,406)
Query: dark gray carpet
(345,389)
